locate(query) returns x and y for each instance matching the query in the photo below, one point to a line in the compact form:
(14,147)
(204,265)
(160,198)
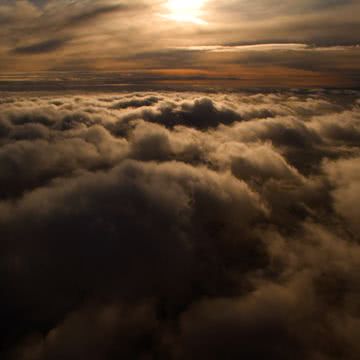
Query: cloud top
(180,225)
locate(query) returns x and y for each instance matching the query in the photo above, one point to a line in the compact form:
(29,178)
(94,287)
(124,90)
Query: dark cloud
(180,225)
(134,103)
(41,47)
(94,13)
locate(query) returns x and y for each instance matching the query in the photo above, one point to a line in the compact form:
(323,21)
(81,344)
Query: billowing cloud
(180,225)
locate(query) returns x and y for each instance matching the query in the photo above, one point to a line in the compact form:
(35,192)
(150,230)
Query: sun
(185,10)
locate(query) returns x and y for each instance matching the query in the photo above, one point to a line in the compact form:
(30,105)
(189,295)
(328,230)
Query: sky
(302,43)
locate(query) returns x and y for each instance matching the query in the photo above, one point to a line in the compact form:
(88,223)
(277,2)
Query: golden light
(185,11)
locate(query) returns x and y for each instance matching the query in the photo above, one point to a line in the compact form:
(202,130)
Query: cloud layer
(178,225)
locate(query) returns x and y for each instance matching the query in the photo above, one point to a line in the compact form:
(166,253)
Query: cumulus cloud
(180,225)
(344,176)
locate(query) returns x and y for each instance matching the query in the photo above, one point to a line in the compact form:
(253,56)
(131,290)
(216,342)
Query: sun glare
(185,11)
